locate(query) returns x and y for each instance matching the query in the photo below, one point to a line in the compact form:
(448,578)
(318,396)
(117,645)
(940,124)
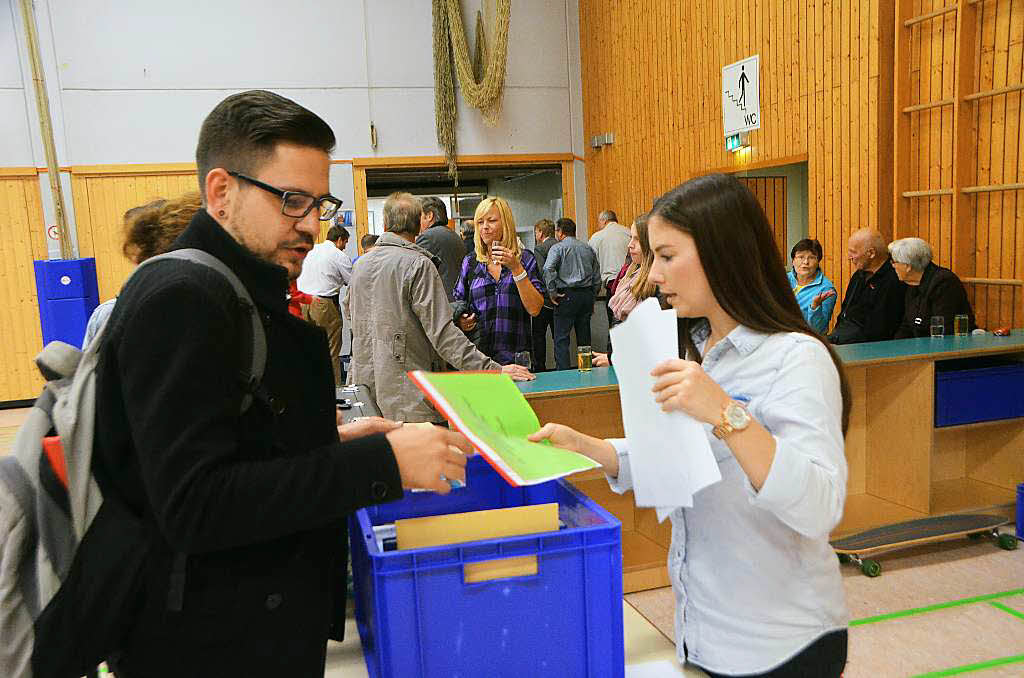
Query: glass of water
(938,326)
(523,358)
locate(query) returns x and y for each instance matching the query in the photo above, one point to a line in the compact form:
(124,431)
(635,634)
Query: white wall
(135,79)
(16,120)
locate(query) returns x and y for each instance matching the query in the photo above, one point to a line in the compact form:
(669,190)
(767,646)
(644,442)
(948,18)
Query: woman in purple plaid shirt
(501,284)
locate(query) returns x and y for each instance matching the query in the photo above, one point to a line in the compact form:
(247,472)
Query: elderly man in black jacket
(873,304)
(245,513)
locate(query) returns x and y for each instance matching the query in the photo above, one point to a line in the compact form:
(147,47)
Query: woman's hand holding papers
(566,438)
(430,457)
(682,385)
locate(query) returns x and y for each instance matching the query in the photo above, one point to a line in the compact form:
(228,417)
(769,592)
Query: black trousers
(540,325)
(824,658)
(573,311)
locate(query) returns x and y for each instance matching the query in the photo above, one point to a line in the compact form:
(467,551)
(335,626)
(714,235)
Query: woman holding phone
(758,590)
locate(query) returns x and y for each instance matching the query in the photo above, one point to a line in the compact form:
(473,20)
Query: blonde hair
(509,239)
(642,287)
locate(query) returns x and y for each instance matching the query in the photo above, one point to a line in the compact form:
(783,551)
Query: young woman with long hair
(758,590)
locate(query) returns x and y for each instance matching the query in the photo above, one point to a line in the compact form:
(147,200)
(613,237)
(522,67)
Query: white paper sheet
(670,456)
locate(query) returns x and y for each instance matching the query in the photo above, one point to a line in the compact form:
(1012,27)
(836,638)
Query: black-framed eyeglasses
(296,204)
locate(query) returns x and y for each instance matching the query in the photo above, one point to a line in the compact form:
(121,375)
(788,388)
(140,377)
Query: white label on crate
(65,280)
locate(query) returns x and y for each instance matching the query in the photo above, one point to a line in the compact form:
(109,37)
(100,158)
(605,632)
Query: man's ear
(219,191)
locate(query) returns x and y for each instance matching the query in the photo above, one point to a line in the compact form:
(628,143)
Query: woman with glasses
(815,294)
(758,589)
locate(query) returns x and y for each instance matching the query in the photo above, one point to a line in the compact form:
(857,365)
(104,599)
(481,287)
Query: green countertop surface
(850,354)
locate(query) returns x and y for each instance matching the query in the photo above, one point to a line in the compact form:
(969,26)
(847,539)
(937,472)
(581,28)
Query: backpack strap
(257,357)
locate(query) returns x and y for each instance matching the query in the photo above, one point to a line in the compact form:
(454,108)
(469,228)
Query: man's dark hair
(402,214)
(242,131)
(546,227)
(368,241)
(566,225)
(435,207)
(335,232)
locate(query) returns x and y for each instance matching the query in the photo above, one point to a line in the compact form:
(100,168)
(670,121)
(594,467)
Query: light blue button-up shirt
(754,576)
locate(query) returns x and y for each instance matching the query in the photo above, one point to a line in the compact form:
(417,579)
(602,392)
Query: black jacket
(940,293)
(872,307)
(257,501)
(448,247)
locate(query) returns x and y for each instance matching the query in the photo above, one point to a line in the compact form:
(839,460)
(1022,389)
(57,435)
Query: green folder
(488,408)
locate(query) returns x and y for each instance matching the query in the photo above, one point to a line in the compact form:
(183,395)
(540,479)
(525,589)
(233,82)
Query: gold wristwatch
(734,418)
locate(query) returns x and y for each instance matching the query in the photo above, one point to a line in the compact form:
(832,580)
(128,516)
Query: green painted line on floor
(968,668)
(1004,608)
(937,606)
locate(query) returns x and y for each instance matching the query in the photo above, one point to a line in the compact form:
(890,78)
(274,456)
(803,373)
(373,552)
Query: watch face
(737,417)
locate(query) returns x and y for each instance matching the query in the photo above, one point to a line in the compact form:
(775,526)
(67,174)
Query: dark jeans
(573,310)
(824,658)
(540,325)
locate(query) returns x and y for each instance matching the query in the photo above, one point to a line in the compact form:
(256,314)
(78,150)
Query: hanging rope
(482,91)
(479,48)
(445,113)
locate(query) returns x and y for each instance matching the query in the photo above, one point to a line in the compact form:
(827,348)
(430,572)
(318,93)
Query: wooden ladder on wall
(960,251)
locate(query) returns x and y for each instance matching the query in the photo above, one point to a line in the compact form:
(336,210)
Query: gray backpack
(71,558)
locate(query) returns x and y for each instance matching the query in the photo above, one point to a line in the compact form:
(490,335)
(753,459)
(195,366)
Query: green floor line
(937,606)
(967,668)
(1004,608)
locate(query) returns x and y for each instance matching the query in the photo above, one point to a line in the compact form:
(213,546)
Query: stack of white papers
(669,453)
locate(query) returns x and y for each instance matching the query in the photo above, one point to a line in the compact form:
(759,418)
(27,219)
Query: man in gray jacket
(401,320)
(441,241)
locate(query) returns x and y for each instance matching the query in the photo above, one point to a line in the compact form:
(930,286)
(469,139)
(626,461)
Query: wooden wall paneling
(964,140)
(983,150)
(852,108)
(949,22)
(999,72)
(845,164)
(1011,158)
(101,197)
(907,83)
(22,240)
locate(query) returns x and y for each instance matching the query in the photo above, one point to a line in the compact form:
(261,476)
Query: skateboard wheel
(844,558)
(1008,542)
(871,568)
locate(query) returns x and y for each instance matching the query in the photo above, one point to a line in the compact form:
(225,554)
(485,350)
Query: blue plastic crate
(978,389)
(418,618)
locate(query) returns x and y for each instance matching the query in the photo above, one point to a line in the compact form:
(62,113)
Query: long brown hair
(741,261)
(642,287)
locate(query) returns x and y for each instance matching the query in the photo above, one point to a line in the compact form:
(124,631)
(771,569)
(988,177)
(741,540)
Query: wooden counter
(900,465)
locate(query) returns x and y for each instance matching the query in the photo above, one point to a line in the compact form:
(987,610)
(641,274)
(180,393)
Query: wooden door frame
(361,165)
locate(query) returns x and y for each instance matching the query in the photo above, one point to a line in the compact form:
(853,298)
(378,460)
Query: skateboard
(853,548)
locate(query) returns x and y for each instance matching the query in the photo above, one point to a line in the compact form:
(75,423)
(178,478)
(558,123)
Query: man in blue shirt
(572,275)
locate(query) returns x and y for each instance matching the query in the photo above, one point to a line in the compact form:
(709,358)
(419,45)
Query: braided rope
(484,90)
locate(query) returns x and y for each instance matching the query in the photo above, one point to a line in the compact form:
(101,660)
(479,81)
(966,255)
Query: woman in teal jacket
(815,293)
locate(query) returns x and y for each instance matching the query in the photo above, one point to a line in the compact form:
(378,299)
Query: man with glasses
(325,273)
(240,489)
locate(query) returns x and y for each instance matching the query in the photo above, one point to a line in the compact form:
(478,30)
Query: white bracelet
(519,277)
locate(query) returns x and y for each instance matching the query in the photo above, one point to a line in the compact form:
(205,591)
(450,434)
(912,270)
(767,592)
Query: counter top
(853,355)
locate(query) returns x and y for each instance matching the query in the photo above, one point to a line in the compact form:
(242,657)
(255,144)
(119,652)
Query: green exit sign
(735,142)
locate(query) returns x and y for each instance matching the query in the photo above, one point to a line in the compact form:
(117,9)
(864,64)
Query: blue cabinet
(979,389)
(67,292)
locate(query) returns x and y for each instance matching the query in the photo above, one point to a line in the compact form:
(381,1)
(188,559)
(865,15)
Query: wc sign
(741,100)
